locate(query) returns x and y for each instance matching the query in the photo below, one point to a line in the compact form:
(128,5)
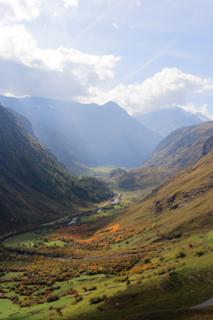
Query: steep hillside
(87,135)
(167,120)
(183,204)
(183,147)
(34,187)
(170,234)
(142,178)
(23,122)
(152,260)
(177,151)
(181,207)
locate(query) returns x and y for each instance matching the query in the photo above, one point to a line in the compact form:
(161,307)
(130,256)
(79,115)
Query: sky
(143,54)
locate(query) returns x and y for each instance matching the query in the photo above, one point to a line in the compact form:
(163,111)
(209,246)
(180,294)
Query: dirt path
(115,200)
(208,303)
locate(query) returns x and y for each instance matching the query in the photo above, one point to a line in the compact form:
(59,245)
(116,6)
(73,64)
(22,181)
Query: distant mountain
(142,179)
(180,149)
(167,120)
(87,135)
(34,186)
(183,147)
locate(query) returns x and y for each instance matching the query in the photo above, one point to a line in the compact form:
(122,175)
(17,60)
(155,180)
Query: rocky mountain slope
(183,147)
(177,151)
(34,186)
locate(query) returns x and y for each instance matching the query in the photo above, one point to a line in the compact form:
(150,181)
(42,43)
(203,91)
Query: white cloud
(167,88)
(19,11)
(13,11)
(202,109)
(70,3)
(18,45)
(11,94)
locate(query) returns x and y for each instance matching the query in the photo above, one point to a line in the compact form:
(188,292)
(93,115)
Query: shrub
(52,298)
(128,282)
(26,303)
(181,255)
(15,299)
(200,253)
(92,288)
(175,235)
(77,299)
(147,260)
(84,289)
(96,300)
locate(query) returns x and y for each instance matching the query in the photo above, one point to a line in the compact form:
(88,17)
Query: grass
(159,297)
(101,171)
(26,239)
(145,280)
(99,215)
(150,264)
(101,282)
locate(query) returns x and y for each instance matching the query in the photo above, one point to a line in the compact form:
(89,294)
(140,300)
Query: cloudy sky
(143,54)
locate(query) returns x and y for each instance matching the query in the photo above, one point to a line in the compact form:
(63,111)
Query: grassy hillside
(179,150)
(142,178)
(170,234)
(183,147)
(152,260)
(34,186)
(183,204)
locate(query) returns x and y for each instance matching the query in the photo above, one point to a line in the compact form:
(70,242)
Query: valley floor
(89,268)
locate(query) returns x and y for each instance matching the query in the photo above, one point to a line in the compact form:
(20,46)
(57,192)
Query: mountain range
(35,187)
(82,135)
(147,249)
(177,151)
(165,121)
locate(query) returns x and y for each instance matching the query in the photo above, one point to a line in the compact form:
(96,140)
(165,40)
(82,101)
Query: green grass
(101,171)
(32,240)
(164,267)
(7,308)
(28,239)
(54,243)
(99,215)
(144,287)
(163,298)
(103,284)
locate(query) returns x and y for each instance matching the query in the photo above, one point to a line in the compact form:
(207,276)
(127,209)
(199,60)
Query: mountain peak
(165,121)
(87,134)
(113,106)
